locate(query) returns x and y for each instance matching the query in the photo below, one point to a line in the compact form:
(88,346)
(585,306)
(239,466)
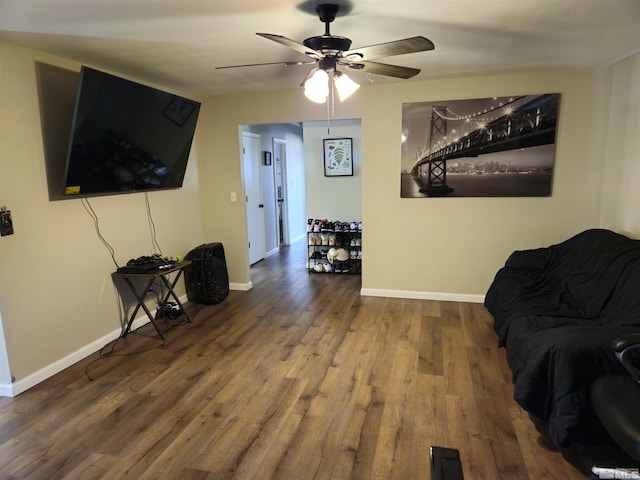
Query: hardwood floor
(299,378)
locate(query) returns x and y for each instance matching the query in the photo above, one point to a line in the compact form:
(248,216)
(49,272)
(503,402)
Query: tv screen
(127,137)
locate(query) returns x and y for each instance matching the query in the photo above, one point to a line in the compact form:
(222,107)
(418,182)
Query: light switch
(233,197)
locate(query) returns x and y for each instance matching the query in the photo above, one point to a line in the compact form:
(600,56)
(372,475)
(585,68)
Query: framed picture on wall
(338,157)
(479,147)
(267,158)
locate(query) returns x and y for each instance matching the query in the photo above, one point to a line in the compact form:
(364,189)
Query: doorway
(281,164)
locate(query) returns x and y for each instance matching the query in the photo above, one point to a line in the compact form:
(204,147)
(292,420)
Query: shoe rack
(334,247)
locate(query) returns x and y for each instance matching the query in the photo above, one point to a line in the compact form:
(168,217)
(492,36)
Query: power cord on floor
(111,353)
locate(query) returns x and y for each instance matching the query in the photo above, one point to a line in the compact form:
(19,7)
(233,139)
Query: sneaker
(310,225)
(327,267)
(317,267)
(325,239)
(353,242)
(337,227)
(358,242)
(359,254)
(312,240)
(332,240)
(359,226)
(353,227)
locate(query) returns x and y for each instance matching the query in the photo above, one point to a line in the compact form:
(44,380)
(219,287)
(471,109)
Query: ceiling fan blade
(287,42)
(398,47)
(286,64)
(385,69)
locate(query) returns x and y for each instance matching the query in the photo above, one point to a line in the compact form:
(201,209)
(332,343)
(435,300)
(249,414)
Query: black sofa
(556,311)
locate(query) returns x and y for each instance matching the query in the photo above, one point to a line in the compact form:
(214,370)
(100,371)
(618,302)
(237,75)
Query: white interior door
(253,196)
(280,157)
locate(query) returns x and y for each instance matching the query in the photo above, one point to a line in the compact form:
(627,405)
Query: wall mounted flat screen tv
(127,137)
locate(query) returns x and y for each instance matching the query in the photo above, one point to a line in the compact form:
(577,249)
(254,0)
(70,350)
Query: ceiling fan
(330,51)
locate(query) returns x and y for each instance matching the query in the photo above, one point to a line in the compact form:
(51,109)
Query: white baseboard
(50,370)
(6,390)
(243,287)
(447,297)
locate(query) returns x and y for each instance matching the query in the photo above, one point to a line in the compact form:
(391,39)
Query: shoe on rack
(310,225)
(353,227)
(317,267)
(332,240)
(359,254)
(358,242)
(353,242)
(359,226)
(316,226)
(327,267)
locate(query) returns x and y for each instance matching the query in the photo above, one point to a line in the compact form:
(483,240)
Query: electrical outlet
(6,224)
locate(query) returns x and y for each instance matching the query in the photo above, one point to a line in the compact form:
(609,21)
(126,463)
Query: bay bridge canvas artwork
(484,147)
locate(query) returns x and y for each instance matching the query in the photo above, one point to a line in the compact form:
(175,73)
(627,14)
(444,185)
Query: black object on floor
(206,279)
(445,464)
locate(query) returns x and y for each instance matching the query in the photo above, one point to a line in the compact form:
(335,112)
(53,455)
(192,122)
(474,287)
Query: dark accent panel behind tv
(57,96)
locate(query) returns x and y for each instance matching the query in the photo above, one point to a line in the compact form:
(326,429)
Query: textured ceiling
(177,43)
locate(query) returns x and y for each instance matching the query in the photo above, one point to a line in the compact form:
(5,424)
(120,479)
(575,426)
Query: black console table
(163,274)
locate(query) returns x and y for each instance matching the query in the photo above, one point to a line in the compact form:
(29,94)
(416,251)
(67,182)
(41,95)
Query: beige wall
(56,294)
(333,198)
(456,245)
(621,195)
(447,247)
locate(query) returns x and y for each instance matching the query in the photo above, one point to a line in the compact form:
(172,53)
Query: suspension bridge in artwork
(520,122)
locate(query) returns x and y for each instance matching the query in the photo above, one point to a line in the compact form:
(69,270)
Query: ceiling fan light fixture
(316,88)
(345,86)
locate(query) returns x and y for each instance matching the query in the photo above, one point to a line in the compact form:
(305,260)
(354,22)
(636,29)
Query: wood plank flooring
(299,378)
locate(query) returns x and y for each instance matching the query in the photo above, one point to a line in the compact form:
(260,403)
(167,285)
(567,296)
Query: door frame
(279,146)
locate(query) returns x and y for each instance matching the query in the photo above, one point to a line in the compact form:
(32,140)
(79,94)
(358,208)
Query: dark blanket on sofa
(556,311)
